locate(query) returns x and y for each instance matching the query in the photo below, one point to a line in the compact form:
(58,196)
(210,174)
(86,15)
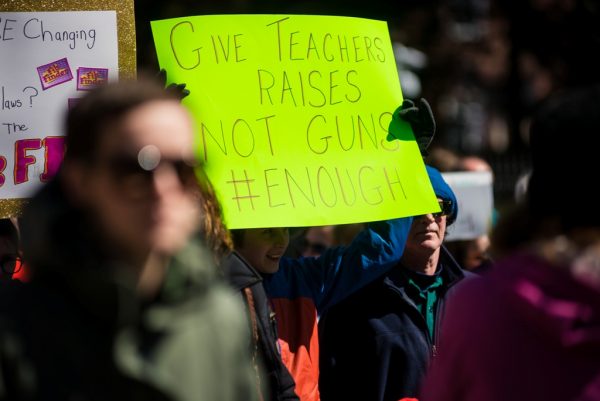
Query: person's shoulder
(469,285)
(224,313)
(470,276)
(196,259)
(238,271)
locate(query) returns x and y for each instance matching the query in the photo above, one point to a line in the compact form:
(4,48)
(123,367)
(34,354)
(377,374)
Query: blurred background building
(484,65)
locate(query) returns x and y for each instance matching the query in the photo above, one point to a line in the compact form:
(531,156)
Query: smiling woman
(263,247)
(258,251)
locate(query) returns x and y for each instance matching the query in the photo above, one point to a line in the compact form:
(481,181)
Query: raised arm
(340,271)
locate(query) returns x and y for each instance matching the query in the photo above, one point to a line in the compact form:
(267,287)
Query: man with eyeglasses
(376,345)
(123,303)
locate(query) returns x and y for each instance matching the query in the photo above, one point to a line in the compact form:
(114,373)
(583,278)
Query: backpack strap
(254,324)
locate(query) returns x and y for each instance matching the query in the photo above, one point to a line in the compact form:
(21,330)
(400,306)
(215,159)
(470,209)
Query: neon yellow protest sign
(292,117)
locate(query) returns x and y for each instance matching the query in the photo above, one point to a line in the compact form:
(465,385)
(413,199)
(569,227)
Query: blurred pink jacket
(527,331)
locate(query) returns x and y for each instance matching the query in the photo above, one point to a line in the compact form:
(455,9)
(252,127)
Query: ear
(76,178)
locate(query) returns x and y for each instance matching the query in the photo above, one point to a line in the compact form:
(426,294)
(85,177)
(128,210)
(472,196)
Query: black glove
(421,121)
(178,89)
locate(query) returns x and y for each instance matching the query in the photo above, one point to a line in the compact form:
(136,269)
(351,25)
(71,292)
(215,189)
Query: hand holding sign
(420,119)
(178,89)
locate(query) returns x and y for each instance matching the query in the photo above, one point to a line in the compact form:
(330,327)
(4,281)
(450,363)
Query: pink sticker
(55,73)
(90,78)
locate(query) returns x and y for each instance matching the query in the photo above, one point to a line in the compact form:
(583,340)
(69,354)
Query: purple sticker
(73,101)
(54,73)
(90,78)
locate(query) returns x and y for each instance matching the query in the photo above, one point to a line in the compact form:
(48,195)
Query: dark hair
(8,230)
(88,119)
(238,237)
(564,144)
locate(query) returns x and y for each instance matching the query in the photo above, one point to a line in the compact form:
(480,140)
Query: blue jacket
(303,288)
(376,345)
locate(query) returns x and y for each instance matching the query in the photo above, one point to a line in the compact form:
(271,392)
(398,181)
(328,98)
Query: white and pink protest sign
(48,61)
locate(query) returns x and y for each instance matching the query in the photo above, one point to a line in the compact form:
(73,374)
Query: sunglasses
(135,176)
(445,208)
(122,166)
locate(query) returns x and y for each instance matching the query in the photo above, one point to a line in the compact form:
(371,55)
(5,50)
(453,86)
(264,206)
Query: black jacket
(277,379)
(375,345)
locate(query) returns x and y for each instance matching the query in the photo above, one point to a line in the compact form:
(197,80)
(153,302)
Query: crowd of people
(135,288)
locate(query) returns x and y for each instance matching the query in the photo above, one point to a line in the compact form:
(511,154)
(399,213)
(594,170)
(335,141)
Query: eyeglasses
(10,264)
(445,209)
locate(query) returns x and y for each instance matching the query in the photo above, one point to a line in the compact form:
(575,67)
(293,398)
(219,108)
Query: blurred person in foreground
(530,329)
(124,302)
(376,345)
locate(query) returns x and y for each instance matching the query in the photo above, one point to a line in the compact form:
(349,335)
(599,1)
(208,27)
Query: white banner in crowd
(475,204)
(48,61)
